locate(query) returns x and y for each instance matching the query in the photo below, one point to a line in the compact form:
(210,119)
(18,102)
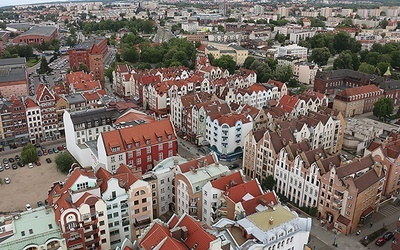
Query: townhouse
(79,210)
(257,95)
(189,183)
(293,105)
(140,146)
(46,100)
(122,80)
(357,100)
(181,108)
(34,120)
(349,193)
(389,152)
(226,134)
(314,100)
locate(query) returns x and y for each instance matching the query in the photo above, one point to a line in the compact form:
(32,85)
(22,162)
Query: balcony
(125,223)
(74,242)
(125,215)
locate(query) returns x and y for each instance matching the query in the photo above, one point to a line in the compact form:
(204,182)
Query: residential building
(34,119)
(226,134)
(349,193)
(13,77)
(295,37)
(35,229)
(37,35)
(19,122)
(46,100)
(122,80)
(292,50)
(189,183)
(293,105)
(140,146)
(306,72)
(273,226)
(357,100)
(282,88)
(79,210)
(181,110)
(389,152)
(180,233)
(238,53)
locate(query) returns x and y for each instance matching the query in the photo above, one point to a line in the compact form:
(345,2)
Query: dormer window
(137,144)
(115,149)
(129,145)
(147,141)
(169,137)
(159,139)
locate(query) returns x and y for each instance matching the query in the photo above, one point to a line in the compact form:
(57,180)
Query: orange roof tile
(156,235)
(237,193)
(249,206)
(185,167)
(227,181)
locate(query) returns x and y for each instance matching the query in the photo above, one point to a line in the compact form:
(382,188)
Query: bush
(371,237)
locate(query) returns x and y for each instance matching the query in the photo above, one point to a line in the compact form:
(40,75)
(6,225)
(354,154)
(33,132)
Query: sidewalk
(352,241)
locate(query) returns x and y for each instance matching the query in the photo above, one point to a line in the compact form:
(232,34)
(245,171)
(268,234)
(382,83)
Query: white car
(30,165)
(28,207)
(7,180)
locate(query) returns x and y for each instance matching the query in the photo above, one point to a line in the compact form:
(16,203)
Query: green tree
(382,67)
(343,61)
(247,63)
(367,68)
(64,161)
(129,53)
(83,67)
(283,73)
(226,62)
(320,56)
(383,108)
(383,24)
(109,73)
(280,37)
(44,66)
(29,154)
(268,183)
(221,28)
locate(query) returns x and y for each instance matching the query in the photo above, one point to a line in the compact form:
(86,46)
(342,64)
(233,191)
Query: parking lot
(28,185)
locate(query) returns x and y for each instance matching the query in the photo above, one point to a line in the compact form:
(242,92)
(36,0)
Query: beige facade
(349,109)
(238,53)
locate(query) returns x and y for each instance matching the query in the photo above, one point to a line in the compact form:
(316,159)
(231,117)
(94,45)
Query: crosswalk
(388,210)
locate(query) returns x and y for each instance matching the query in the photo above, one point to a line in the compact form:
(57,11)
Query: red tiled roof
(231,119)
(288,102)
(227,181)
(156,235)
(134,115)
(185,167)
(359,90)
(237,193)
(249,206)
(104,175)
(276,83)
(29,103)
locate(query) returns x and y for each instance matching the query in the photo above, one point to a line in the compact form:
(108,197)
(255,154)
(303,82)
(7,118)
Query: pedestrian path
(388,210)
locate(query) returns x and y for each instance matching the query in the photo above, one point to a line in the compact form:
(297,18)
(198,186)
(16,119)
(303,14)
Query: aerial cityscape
(216,125)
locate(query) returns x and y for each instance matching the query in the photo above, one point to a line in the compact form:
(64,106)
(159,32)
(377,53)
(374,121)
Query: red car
(38,163)
(380,241)
(60,148)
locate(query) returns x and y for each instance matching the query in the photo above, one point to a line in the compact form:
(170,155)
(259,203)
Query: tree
(320,56)
(221,28)
(29,154)
(109,73)
(383,108)
(283,73)
(247,63)
(280,37)
(268,183)
(129,53)
(83,67)
(343,61)
(44,66)
(367,68)
(226,62)
(383,24)
(64,161)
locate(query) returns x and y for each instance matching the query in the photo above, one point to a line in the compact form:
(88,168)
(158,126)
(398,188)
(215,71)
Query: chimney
(233,183)
(176,162)
(271,221)
(179,233)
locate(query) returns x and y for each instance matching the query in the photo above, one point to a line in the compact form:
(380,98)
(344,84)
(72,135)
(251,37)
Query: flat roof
(37,225)
(201,176)
(40,30)
(280,215)
(12,62)
(11,75)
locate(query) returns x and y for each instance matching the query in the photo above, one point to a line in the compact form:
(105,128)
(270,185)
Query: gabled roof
(185,167)
(236,193)
(232,119)
(367,180)
(42,93)
(250,206)
(288,102)
(355,166)
(358,90)
(159,235)
(227,181)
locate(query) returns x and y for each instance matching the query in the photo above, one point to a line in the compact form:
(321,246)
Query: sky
(19,2)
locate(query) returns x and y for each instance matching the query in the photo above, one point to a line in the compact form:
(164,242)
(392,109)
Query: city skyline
(23,2)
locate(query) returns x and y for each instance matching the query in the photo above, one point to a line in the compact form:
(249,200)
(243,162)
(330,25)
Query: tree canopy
(29,154)
(64,160)
(320,56)
(226,62)
(383,108)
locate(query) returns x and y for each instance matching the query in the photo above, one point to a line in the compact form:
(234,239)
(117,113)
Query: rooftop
(40,30)
(279,215)
(12,74)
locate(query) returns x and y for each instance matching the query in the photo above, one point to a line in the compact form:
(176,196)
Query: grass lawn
(31,62)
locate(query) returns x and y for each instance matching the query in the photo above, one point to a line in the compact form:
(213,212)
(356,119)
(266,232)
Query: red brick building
(91,54)
(37,35)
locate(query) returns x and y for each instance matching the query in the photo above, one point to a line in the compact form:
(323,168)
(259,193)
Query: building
(349,193)
(306,72)
(35,229)
(189,184)
(140,146)
(271,226)
(238,53)
(328,82)
(357,100)
(299,35)
(79,210)
(13,77)
(46,100)
(226,134)
(37,35)
(91,53)
(180,233)
(292,50)
(34,119)
(389,152)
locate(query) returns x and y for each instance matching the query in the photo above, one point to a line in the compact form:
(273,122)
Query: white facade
(302,35)
(226,138)
(305,72)
(34,120)
(292,50)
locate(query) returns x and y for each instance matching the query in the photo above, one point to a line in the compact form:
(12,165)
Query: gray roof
(19,26)
(236,47)
(75,98)
(12,62)
(88,44)
(98,114)
(40,30)
(12,74)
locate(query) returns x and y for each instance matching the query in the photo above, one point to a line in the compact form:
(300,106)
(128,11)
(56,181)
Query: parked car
(39,203)
(1,168)
(39,153)
(28,207)
(60,148)
(45,152)
(50,151)
(5,161)
(30,165)
(48,160)
(388,236)
(380,241)
(11,160)
(7,180)
(38,163)
(14,166)
(55,150)
(37,145)
(64,146)
(6,166)
(20,164)
(17,158)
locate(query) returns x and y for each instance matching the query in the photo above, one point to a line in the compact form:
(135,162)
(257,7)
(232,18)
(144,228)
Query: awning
(143,218)
(367,212)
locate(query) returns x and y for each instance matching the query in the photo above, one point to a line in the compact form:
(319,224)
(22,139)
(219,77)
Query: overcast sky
(19,2)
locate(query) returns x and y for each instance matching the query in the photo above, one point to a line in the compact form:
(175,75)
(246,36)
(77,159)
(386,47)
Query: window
(148,150)
(144,200)
(136,202)
(101,223)
(116,214)
(144,209)
(138,152)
